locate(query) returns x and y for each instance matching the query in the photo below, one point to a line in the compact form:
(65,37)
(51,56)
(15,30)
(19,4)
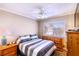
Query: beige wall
(69,22)
(77,20)
(16,24)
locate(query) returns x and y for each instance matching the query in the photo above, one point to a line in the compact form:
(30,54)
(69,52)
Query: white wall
(16,24)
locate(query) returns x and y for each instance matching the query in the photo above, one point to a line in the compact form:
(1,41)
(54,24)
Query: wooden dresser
(58,42)
(9,50)
(73,43)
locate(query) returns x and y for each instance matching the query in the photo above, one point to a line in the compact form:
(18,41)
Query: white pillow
(23,38)
(34,36)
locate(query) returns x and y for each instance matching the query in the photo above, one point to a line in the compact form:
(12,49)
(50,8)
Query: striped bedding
(37,47)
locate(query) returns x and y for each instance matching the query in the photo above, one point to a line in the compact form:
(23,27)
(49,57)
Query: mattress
(37,47)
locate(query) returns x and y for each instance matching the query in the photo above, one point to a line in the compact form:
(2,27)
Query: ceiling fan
(42,11)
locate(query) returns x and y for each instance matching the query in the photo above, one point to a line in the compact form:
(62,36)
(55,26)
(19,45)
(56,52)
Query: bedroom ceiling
(39,10)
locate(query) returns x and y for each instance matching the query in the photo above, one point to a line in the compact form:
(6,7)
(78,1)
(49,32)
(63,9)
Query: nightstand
(8,50)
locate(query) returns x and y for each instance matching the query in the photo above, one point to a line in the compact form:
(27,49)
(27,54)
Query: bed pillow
(22,39)
(33,36)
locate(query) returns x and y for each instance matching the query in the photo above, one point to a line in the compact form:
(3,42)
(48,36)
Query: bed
(35,47)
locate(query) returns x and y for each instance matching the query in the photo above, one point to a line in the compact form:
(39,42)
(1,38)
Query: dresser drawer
(9,50)
(57,40)
(0,53)
(59,47)
(11,54)
(57,43)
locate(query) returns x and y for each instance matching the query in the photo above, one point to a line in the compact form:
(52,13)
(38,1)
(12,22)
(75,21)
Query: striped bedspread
(37,47)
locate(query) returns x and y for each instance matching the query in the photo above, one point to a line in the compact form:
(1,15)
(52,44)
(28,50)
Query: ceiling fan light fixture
(41,12)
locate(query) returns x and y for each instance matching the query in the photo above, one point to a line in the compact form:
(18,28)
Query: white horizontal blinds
(56,28)
(59,28)
(48,29)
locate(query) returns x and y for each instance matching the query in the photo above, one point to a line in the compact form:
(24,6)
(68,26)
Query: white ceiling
(31,10)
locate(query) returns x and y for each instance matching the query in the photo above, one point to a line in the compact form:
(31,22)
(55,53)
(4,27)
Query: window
(56,29)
